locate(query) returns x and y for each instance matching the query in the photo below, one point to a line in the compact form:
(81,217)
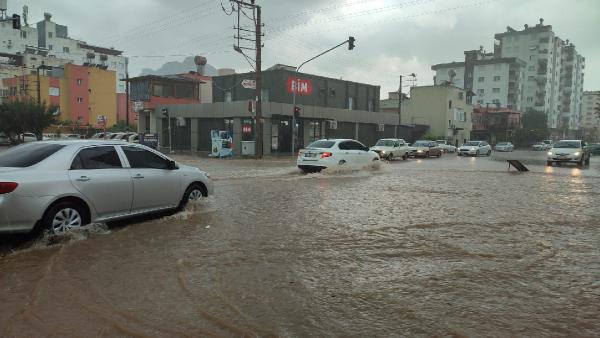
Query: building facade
(590,121)
(81,93)
(486,78)
(443,108)
(329,108)
(495,124)
(554,74)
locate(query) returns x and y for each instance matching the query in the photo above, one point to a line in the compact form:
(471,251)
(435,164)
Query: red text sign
(300,86)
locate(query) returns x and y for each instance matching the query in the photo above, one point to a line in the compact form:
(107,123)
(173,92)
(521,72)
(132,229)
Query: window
(496,102)
(461,96)
(65,49)
(228,97)
(27,155)
(529,99)
(350,103)
(496,78)
(481,79)
(50,34)
(50,47)
(480,91)
(480,101)
(97,158)
(24,34)
(80,99)
(352,145)
(322,144)
(495,90)
(449,104)
(79,82)
(142,158)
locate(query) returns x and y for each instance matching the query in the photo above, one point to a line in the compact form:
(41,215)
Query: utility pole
(400,102)
(259,119)
(127,93)
(238,47)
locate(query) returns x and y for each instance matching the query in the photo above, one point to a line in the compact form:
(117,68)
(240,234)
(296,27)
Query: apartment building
(590,121)
(486,78)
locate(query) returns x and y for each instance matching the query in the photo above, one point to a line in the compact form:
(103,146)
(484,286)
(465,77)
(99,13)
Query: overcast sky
(392,36)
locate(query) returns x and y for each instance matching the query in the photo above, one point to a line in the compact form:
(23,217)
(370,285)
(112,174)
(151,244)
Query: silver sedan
(61,185)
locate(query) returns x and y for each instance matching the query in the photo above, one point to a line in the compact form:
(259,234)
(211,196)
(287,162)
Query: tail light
(7,187)
(326,154)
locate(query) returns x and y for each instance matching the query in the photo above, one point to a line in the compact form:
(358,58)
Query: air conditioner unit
(333,124)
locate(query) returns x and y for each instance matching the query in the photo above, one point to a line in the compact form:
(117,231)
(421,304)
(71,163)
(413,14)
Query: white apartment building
(487,79)
(548,87)
(590,122)
(49,41)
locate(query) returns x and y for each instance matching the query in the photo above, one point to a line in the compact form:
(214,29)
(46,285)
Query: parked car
(71,136)
(594,148)
(115,136)
(548,144)
(426,149)
(48,137)
(63,185)
(4,140)
(389,148)
(539,146)
(135,138)
(28,137)
(446,146)
(573,151)
(334,153)
(98,136)
(125,137)
(475,148)
(504,146)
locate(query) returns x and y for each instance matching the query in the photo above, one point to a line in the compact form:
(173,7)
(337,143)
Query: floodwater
(437,247)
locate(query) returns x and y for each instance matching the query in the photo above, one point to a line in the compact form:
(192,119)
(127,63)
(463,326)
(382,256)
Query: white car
(538,146)
(446,147)
(62,185)
(28,137)
(547,144)
(389,148)
(573,151)
(336,153)
(135,138)
(475,148)
(504,146)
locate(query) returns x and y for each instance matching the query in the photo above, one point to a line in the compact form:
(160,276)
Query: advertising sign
(300,86)
(249,84)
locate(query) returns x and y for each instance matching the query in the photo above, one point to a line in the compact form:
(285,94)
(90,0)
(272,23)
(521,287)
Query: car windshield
(421,144)
(28,154)
(567,144)
(385,143)
(321,144)
(503,143)
(472,143)
(440,142)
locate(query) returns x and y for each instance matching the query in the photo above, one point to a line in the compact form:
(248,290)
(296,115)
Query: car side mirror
(171,165)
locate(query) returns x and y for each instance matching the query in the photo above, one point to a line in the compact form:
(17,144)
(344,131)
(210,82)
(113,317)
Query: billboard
(300,86)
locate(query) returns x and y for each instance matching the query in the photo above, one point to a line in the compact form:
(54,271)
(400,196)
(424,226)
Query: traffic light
(16,21)
(351,43)
(297,112)
(165,112)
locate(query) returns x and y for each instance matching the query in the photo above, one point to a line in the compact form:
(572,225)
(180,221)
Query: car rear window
(28,154)
(321,144)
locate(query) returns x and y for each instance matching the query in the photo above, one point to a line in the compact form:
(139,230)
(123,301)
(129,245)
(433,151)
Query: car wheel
(549,163)
(439,154)
(404,157)
(427,155)
(390,157)
(63,217)
(587,162)
(580,163)
(489,153)
(194,192)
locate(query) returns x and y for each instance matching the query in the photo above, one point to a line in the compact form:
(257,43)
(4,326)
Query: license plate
(310,155)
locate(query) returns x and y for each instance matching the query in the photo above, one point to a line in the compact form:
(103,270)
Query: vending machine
(222,144)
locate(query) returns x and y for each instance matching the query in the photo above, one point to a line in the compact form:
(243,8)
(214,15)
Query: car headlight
(419,151)
(383,151)
(576,153)
(473,149)
(550,153)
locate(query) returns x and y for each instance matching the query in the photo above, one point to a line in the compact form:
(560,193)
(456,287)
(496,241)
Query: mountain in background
(176,67)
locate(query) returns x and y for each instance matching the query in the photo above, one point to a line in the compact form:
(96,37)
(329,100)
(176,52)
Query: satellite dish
(451,75)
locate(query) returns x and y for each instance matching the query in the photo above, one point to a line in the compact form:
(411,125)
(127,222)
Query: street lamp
(400,100)
(351,40)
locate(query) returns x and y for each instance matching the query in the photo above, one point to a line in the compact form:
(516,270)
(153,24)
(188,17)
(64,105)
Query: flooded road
(438,247)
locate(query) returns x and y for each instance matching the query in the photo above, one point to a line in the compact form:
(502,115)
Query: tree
(535,128)
(27,115)
(121,126)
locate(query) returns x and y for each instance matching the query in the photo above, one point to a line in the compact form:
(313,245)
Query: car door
(361,154)
(155,186)
(98,174)
(347,152)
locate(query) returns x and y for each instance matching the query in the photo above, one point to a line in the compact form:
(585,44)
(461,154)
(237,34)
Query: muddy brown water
(448,247)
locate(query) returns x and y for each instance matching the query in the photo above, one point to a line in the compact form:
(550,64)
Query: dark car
(594,148)
(426,149)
